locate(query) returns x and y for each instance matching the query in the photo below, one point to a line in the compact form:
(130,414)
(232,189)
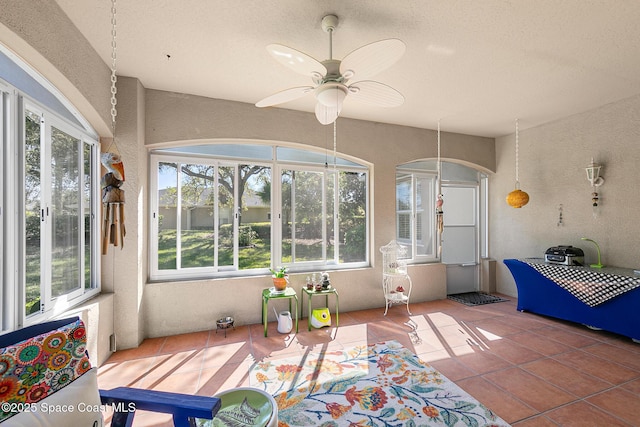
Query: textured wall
(553,158)
(40,33)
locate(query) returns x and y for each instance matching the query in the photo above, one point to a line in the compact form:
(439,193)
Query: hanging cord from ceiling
(114,77)
(439,197)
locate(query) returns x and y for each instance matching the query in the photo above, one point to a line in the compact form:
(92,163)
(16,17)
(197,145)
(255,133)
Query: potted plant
(280,278)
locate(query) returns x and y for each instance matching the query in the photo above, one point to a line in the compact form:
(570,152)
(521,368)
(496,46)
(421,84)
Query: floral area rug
(378,385)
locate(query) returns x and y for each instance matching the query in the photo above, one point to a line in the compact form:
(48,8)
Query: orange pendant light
(517,198)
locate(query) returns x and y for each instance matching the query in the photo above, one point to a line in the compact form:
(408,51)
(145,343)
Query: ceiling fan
(331,77)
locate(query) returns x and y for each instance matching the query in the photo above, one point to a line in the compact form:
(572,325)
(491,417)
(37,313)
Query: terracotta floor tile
(566,377)
(616,354)
(148,347)
(624,404)
(173,363)
(186,382)
(525,321)
(124,373)
(582,414)
(566,336)
(496,327)
(503,404)
(184,342)
(483,362)
(513,352)
(533,391)
(223,354)
(451,368)
(537,421)
(225,377)
(596,366)
(539,343)
(633,387)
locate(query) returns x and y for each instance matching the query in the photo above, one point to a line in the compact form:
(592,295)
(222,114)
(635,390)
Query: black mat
(475,298)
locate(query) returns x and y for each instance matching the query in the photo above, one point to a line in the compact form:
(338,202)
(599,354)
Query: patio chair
(47,380)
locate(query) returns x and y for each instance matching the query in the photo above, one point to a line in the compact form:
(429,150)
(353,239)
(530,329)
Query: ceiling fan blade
(375,93)
(284,96)
(372,58)
(326,115)
(298,61)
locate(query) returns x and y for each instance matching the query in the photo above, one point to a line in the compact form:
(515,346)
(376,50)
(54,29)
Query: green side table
(311,293)
(288,293)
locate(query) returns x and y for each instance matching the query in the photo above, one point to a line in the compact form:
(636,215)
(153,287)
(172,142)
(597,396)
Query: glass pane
(287,215)
(197,227)
(424,215)
(330,217)
(167,215)
(403,212)
(353,216)
(87,169)
(307,216)
(226,234)
(254,239)
(65,213)
(32,189)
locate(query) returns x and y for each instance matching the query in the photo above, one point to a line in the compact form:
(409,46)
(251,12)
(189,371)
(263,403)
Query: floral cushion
(37,367)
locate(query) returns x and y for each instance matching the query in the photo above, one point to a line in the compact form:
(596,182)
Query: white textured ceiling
(475,65)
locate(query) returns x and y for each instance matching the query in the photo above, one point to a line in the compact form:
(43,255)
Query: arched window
(416,217)
(49,207)
(229,208)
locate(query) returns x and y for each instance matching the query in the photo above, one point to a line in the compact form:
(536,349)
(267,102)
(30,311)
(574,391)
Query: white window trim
(413,177)
(12,250)
(159,156)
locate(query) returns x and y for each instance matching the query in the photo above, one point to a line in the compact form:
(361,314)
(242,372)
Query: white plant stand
(396,283)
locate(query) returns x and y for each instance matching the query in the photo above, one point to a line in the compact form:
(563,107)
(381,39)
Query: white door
(460,238)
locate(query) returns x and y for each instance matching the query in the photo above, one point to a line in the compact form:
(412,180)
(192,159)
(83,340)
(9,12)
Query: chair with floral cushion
(46,379)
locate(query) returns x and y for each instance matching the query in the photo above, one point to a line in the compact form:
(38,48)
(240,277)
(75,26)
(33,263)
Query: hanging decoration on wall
(560,221)
(517,198)
(594,178)
(113,228)
(439,197)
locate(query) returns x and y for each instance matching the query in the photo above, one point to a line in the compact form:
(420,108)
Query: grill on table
(565,255)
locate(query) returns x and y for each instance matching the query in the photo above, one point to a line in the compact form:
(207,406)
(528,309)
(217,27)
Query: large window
(49,202)
(214,215)
(415,214)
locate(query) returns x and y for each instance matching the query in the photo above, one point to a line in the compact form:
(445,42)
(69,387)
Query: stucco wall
(553,158)
(40,33)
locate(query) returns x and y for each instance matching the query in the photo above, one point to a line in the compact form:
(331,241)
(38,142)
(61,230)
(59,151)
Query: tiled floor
(530,370)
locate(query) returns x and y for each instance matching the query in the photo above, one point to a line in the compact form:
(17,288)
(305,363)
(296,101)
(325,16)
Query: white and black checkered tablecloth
(589,286)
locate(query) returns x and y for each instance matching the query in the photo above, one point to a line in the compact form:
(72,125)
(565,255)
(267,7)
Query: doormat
(475,298)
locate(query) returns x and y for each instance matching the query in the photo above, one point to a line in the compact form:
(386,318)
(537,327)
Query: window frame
(412,176)
(14,103)
(276,210)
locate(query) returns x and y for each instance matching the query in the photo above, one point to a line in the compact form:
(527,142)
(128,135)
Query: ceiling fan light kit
(330,77)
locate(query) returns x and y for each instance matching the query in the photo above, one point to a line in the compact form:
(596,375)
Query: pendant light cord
(517,155)
(439,165)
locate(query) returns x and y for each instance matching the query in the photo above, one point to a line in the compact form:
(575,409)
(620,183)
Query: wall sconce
(593,176)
